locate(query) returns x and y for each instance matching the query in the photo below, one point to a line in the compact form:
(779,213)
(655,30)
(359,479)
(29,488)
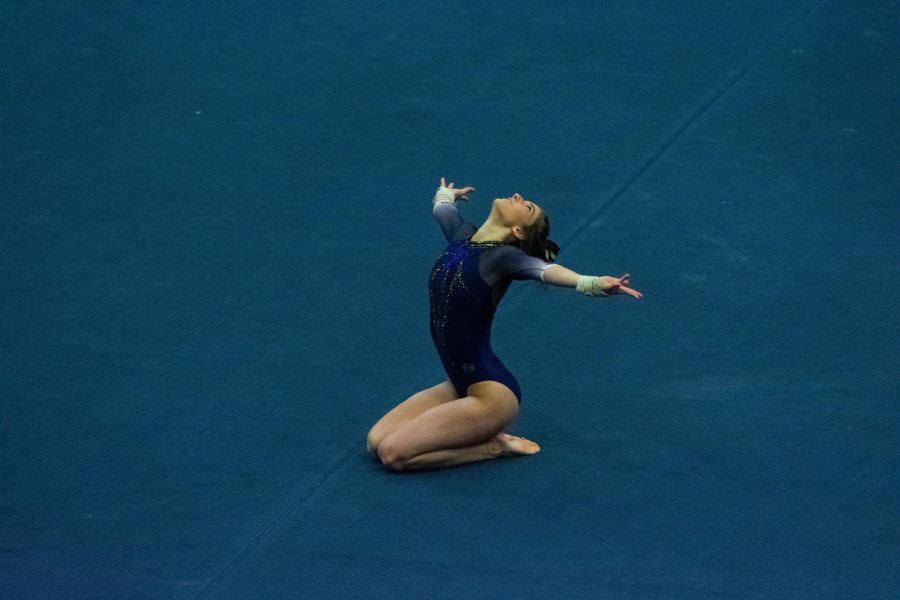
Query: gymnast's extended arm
(589,285)
(514,263)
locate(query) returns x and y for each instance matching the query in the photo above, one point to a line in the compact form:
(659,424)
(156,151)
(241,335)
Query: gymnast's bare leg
(436,430)
(408,410)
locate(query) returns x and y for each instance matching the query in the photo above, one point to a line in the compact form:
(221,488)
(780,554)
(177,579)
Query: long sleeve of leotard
(447,214)
(510,262)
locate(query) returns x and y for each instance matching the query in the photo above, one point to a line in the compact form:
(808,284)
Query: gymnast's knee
(391,456)
(372,441)
(375,437)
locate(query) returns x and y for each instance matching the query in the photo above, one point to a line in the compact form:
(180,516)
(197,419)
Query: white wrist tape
(444,196)
(590,286)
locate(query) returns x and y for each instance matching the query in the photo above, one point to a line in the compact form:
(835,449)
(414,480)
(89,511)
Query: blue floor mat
(216,234)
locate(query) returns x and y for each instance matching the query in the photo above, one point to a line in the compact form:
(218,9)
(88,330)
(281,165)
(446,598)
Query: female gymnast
(462,419)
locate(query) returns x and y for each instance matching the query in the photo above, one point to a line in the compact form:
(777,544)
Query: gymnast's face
(516,212)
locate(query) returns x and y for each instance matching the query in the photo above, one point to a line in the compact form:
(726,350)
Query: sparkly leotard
(467,283)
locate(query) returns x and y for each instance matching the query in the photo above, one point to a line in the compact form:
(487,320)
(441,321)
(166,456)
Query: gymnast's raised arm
(447,213)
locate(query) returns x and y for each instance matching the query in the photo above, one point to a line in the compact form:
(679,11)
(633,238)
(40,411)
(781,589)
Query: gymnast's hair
(536,243)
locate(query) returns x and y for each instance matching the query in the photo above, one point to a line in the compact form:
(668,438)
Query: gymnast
(462,419)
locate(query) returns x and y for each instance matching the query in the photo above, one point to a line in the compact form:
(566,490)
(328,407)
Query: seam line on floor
(648,164)
(281,518)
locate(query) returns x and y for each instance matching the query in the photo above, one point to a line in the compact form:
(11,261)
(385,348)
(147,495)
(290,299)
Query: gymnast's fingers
(631,292)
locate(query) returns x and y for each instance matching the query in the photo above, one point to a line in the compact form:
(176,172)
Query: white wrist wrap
(590,286)
(444,196)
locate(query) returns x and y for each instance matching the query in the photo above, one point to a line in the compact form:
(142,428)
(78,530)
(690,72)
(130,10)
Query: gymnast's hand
(459,194)
(619,285)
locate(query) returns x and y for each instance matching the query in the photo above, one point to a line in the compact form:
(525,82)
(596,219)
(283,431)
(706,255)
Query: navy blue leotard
(466,284)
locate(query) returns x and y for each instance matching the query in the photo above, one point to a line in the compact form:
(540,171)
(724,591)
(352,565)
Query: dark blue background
(215,238)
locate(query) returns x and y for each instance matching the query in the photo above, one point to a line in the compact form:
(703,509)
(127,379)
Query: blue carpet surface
(215,237)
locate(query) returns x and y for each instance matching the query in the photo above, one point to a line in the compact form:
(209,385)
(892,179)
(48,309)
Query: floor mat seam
(648,164)
(281,518)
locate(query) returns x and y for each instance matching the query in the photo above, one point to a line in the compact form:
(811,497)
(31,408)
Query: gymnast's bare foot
(511,445)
